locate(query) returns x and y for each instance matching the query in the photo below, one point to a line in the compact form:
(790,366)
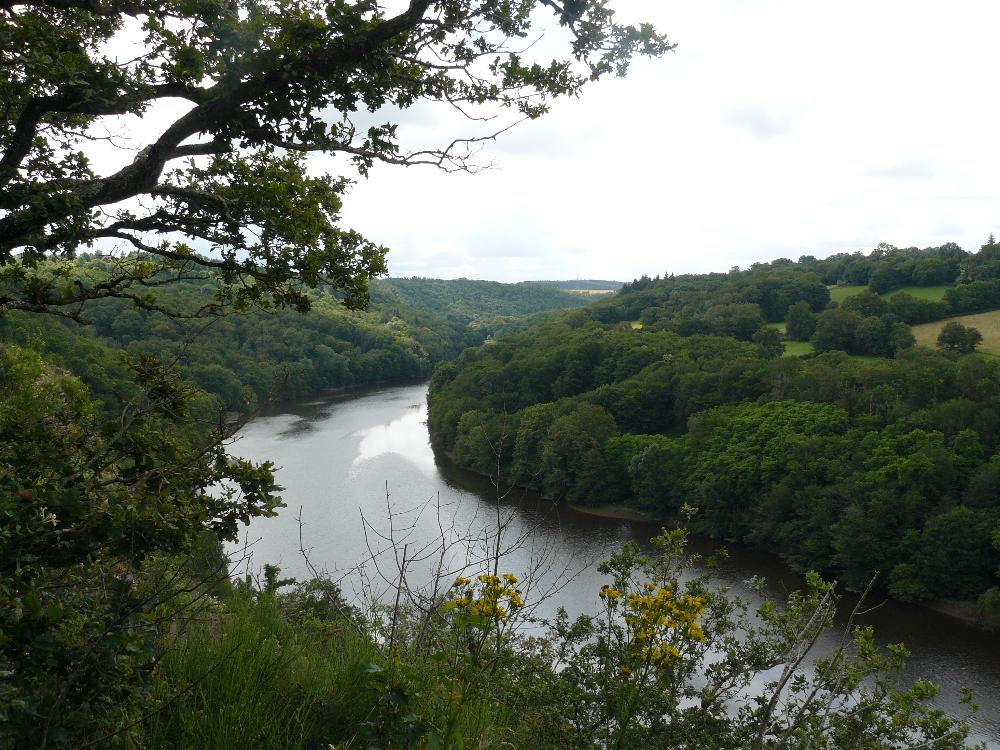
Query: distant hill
(864,453)
(470,300)
(582,285)
(409,327)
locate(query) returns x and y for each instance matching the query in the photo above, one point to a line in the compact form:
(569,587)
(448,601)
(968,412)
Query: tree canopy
(242,92)
(222,204)
(867,454)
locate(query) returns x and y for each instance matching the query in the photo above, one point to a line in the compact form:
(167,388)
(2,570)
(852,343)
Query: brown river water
(338,456)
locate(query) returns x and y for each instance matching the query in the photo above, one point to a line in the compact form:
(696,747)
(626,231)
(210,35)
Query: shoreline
(616,512)
(961,611)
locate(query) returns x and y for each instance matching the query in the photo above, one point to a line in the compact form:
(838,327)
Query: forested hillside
(151,132)
(675,392)
(410,325)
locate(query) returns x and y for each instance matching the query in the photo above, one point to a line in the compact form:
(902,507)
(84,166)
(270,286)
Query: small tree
(770,341)
(956,337)
(800,322)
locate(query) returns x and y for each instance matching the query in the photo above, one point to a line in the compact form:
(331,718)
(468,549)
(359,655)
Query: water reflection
(368,454)
(406,437)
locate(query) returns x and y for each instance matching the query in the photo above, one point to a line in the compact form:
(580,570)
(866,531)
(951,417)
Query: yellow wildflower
(607,592)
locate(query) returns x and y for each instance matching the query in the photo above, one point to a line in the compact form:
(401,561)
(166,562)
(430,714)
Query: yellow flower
(510,578)
(461,581)
(607,592)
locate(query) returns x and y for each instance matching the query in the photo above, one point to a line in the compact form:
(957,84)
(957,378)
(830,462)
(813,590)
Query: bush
(956,337)
(251,676)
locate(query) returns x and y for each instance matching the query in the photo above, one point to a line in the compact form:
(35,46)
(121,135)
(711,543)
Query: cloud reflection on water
(406,437)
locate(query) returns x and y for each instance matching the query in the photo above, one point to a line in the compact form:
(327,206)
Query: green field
(797,348)
(839,293)
(988,324)
(930,293)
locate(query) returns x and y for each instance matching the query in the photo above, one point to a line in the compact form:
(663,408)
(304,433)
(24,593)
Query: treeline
(470,302)
(887,268)
(410,326)
(843,464)
(593,284)
(875,322)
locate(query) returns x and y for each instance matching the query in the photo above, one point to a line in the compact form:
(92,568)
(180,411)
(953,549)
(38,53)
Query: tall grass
(250,678)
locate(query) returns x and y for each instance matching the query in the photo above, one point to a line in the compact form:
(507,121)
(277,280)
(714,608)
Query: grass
(988,324)
(797,348)
(250,678)
(930,293)
(866,358)
(839,293)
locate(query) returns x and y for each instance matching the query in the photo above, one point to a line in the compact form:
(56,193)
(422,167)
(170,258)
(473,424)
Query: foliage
(887,268)
(264,84)
(800,323)
(846,330)
(259,672)
(837,463)
(983,265)
(667,661)
(220,210)
(957,338)
(247,359)
(85,504)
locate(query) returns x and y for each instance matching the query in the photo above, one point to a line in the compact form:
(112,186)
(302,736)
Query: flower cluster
(491,597)
(655,619)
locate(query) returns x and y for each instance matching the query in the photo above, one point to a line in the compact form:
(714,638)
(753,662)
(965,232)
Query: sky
(775,129)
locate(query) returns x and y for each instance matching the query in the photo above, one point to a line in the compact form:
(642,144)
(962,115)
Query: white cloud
(760,122)
(776,128)
(908,169)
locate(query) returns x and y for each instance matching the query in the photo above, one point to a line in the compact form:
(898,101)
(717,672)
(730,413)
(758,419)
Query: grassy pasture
(797,348)
(930,293)
(988,324)
(839,293)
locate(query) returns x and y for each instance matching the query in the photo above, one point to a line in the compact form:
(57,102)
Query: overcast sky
(775,129)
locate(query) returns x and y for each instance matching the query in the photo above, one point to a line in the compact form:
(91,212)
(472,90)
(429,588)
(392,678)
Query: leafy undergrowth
(665,662)
(254,677)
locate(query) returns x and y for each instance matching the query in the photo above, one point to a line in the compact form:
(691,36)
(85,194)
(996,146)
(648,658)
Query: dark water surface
(338,455)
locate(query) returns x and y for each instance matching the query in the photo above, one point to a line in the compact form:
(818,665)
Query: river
(339,458)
